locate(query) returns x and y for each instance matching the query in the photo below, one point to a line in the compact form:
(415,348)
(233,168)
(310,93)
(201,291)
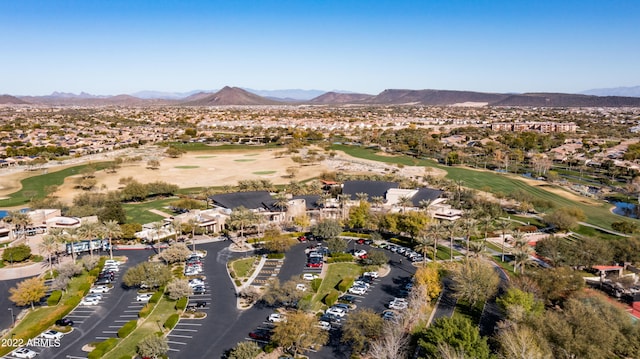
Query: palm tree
(377,201)
(281,202)
(477,248)
(343,199)
(49,245)
(452,229)
(176,225)
(469,228)
(424,245)
(20,222)
(362,197)
(404,202)
(158,228)
(88,231)
(322,201)
(193,223)
(503,226)
(486,223)
(522,251)
(425,204)
(112,230)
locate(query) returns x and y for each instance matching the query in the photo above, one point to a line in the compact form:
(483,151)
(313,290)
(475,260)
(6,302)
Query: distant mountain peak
(633,91)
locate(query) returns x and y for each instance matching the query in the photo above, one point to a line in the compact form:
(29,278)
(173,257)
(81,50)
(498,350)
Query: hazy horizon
(123,47)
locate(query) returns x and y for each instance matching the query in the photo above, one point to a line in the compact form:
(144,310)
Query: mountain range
(235,96)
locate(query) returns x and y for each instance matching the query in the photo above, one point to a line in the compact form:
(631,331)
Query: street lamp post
(13,318)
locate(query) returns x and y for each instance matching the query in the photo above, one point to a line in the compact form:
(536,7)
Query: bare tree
(392,345)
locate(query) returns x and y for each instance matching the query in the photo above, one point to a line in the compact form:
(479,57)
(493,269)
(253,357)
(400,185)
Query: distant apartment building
(545,127)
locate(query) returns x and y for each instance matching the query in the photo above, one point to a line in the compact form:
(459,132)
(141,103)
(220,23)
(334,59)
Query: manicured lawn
(35,186)
(504,183)
(335,273)
(152,324)
(264,172)
(242,267)
(203,147)
(186,167)
(139,212)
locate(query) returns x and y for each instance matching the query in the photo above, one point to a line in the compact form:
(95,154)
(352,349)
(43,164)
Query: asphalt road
(99,322)
(6,319)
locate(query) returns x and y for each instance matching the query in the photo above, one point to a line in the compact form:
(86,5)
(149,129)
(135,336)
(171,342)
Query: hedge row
(182,303)
(155,298)
(315,284)
(103,347)
(127,328)
(331,298)
(275,255)
(345,284)
(340,257)
(171,321)
(54,298)
(146,310)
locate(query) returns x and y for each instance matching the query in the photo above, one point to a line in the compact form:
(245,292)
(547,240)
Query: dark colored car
(348,298)
(199,290)
(64,322)
(192,307)
(103,281)
(260,334)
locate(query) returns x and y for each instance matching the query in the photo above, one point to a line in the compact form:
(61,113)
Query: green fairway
(599,215)
(264,172)
(34,187)
(186,167)
(139,212)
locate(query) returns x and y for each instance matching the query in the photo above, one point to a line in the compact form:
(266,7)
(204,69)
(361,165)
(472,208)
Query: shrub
(171,321)
(16,254)
(315,284)
(84,288)
(340,257)
(145,311)
(155,298)
(73,301)
(54,298)
(95,354)
(94,272)
(127,328)
(37,258)
(270,347)
(345,284)
(331,298)
(103,347)
(182,303)
(238,283)
(275,255)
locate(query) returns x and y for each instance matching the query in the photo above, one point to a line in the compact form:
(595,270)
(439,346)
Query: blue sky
(115,46)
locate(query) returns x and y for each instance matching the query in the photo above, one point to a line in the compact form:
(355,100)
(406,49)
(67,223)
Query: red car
(260,334)
(302,239)
(314,264)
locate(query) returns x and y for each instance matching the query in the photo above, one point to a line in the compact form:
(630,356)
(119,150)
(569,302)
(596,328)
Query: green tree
(360,328)
(519,305)
(28,291)
(17,253)
(336,245)
(359,215)
(153,346)
(459,333)
(245,350)
(329,228)
(299,333)
(376,258)
(556,285)
(151,274)
(474,281)
(174,152)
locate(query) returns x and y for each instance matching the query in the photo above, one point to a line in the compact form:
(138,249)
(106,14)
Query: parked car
(52,334)
(111,262)
(302,238)
(365,241)
(24,353)
(102,281)
(143,297)
(360,253)
(339,312)
(309,276)
(347,298)
(64,322)
(301,287)
(97,296)
(371,274)
(357,290)
(277,318)
(260,334)
(100,289)
(195,282)
(89,301)
(389,315)
(324,325)
(199,289)
(111,268)
(398,304)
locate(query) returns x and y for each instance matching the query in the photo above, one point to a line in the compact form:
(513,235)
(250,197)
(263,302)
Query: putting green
(264,172)
(245,160)
(186,167)
(205,156)
(251,154)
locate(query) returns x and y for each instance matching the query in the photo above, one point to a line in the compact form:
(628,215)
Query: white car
(89,301)
(324,325)
(196,282)
(52,334)
(358,290)
(277,318)
(360,283)
(309,276)
(360,253)
(143,297)
(24,353)
(111,262)
(371,274)
(97,296)
(335,311)
(100,289)
(301,287)
(398,304)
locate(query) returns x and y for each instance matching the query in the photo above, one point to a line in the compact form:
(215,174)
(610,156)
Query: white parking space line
(74,357)
(180,336)
(114,326)
(101,338)
(77,316)
(131,311)
(172,342)
(185,330)
(120,321)
(170,349)
(109,332)
(128,316)
(181,323)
